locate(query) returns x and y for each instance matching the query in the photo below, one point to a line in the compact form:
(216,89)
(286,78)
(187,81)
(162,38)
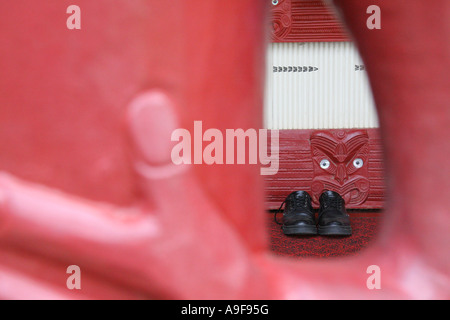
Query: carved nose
(341,174)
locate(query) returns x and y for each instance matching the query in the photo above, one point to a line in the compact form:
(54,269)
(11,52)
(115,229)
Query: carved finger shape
(198,232)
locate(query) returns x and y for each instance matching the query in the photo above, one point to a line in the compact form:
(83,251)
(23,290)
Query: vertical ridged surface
(317,85)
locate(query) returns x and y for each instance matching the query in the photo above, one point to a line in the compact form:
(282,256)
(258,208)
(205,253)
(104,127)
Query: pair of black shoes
(299,217)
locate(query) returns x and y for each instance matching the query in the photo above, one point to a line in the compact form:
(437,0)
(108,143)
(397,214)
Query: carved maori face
(340,159)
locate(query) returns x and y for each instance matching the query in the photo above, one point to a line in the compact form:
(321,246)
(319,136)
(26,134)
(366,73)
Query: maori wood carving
(348,161)
(305,21)
(79,108)
(340,162)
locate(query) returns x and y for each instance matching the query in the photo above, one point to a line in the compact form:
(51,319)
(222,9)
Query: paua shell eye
(358,163)
(324,164)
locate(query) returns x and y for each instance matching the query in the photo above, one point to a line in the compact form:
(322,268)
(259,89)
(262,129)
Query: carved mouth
(353,191)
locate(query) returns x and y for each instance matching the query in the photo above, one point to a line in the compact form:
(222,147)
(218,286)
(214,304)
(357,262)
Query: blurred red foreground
(86,176)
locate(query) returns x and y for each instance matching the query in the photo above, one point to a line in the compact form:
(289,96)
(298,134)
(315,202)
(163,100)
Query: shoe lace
(277,212)
(335,203)
(298,201)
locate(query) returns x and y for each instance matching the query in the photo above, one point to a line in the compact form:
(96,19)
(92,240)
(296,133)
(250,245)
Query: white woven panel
(319,85)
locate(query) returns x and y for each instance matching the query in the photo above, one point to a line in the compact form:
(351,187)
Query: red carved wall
(301,151)
(348,161)
(305,21)
(185,235)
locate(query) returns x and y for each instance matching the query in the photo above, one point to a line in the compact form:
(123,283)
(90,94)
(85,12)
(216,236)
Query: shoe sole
(335,230)
(300,230)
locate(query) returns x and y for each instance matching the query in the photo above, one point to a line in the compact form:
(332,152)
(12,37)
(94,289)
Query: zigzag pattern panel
(320,85)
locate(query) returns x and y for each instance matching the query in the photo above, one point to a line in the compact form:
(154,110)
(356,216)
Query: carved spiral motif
(281,20)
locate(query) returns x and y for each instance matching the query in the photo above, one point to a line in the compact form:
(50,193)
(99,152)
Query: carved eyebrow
(356,143)
(328,146)
(324,144)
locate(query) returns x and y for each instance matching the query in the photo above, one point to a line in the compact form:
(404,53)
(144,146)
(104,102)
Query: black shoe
(333,219)
(298,215)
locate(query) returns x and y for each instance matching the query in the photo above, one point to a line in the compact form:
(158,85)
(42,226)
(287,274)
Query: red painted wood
(305,21)
(301,152)
(199,233)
